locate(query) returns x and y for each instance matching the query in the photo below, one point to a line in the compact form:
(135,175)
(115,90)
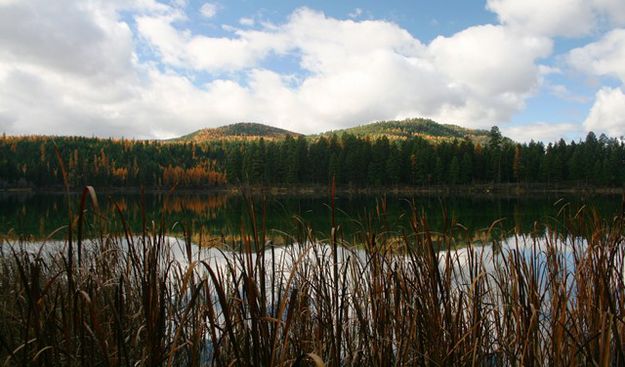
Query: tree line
(417,161)
(351,159)
(33,161)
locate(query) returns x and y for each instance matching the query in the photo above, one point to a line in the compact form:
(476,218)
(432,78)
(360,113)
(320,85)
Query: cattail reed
(394,297)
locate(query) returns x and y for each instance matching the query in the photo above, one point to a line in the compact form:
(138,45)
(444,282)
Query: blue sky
(154,69)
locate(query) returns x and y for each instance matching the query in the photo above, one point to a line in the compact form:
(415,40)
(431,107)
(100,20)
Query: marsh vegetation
(382,297)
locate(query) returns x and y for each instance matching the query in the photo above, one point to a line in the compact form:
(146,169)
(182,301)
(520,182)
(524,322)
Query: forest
(33,161)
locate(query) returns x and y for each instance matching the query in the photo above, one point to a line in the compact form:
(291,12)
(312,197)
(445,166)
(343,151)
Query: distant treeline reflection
(37,216)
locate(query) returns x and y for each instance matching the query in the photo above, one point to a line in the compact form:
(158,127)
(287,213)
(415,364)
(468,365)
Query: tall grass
(387,298)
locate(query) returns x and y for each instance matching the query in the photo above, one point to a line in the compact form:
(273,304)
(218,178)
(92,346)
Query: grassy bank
(126,299)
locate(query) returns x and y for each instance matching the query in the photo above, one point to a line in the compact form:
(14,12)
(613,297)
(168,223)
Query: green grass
(124,299)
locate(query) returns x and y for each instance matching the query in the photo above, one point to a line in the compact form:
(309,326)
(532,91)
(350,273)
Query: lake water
(545,268)
(36,216)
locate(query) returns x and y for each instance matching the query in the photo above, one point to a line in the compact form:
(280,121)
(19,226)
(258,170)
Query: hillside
(238,131)
(425,128)
(394,130)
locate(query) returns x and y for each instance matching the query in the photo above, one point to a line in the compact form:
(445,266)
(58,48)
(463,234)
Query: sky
(538,69)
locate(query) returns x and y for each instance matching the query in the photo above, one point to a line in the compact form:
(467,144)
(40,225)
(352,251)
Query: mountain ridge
(393,129)
(236,131)
(425,128)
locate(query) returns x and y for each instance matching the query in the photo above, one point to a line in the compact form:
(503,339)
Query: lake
(36,216)
(476,304)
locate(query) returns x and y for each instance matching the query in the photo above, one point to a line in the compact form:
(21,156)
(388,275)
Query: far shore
(482,189)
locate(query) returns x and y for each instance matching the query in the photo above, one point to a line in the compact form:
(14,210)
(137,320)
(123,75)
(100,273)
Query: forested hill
(238,131)
(424,128)
(361,161)
(393,130)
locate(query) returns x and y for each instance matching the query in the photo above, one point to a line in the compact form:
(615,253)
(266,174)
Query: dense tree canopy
(361,161)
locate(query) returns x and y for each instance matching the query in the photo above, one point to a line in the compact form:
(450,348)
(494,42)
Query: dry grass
(145,300)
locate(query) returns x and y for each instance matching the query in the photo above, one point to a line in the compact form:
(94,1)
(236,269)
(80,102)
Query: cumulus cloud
(569,18)
(59,37)
(602,58)
(607,115)
(78,71)
(614,10)
(491,60)
(65,67)
(362,71)
(213,54)
(551,18)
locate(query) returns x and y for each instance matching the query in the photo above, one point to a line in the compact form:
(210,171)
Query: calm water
(37,215)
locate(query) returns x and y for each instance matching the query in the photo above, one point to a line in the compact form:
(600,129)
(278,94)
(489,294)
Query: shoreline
(507,189)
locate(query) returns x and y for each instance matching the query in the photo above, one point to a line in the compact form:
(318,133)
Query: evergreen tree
(454,171)
(466,168)
(393,165)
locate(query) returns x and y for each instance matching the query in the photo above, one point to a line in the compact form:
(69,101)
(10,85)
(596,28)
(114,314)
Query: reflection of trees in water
(468,218)
(203,206)
(196,204)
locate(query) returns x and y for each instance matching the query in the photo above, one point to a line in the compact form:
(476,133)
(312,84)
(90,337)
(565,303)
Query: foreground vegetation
(126,299)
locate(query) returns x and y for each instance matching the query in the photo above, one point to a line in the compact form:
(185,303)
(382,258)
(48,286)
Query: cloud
(614,10)
(362,71)
(79,71)
(209,10)
(491,60)
(495,69)
(61,38)
(550,18)
(602,58)
(199,52)
(568,18)
(65,67)
(542,131)
(248,22)
(607,115)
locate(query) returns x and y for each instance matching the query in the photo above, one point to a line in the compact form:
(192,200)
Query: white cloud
(362,71)
(607,115)
(569,18)
(490,59)
(77,71)
(614,10)
(602,58)
(542,131)
(248,22)
(213,54)
(209,10)
(599,59)
(551,18)
(494,69)
(61,38)
(65,67)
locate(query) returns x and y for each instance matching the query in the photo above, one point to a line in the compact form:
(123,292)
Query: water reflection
(36,216)
(491,258)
